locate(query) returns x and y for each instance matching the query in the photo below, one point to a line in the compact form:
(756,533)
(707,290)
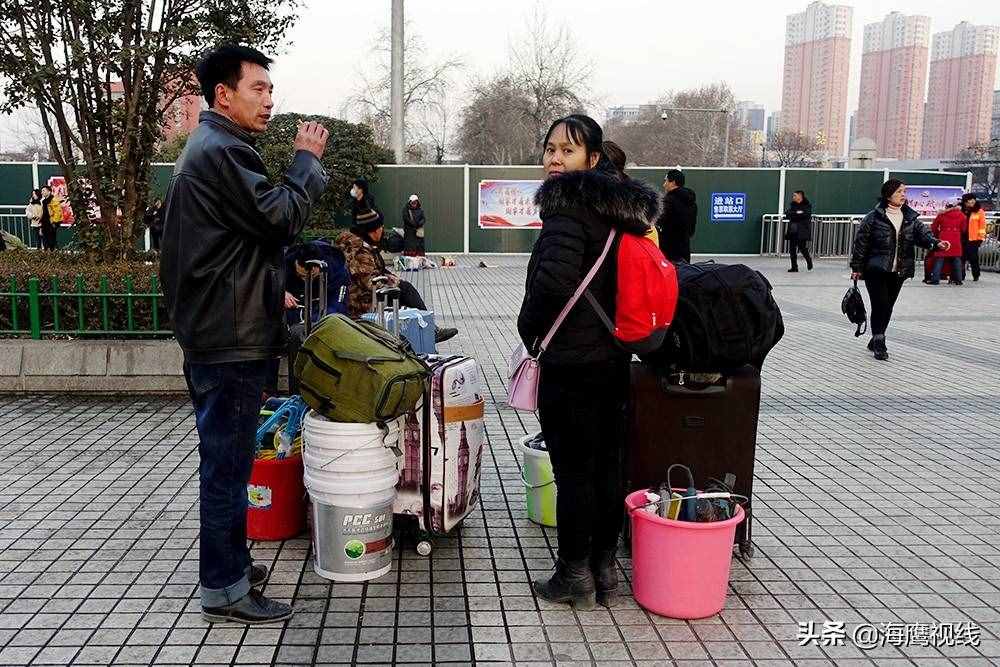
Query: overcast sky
(640,48)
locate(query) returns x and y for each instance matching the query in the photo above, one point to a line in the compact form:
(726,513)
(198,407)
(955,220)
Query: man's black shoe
(251,609)
(441,334)
(258,575)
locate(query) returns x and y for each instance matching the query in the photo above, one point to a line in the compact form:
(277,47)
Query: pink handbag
(524,371)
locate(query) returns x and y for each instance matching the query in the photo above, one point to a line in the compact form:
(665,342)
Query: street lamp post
(396,82)
(724,112)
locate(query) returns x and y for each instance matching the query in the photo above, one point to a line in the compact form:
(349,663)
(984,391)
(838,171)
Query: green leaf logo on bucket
(354,549)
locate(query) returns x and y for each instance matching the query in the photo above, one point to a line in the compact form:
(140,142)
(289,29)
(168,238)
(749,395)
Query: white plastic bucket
(350,471)
(539,484)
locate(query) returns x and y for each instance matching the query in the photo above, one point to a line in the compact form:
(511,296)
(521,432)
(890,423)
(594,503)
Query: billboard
(507,204)
(929,200)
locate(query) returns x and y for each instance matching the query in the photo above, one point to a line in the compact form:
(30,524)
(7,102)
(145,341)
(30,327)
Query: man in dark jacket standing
(678,218)
(225,225)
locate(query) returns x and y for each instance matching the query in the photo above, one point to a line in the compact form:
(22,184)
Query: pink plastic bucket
(680,569)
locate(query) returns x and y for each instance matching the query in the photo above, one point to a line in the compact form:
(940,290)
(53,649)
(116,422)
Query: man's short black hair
(225,65)
(676,176)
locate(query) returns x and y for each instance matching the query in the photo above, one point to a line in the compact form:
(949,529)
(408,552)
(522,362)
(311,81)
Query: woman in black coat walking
(413,228)
(584,381)
(884,253)
(799,231)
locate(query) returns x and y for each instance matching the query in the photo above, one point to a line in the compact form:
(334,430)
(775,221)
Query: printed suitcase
(710,427)
(443,449)
(443,439)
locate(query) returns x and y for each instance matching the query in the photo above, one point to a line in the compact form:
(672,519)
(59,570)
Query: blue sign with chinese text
(728,207)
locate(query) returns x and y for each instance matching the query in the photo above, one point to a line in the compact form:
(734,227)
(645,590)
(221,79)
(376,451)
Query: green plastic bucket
(539,484)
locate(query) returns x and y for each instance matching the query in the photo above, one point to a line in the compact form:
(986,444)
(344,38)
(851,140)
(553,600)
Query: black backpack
(726,318)
(853,305)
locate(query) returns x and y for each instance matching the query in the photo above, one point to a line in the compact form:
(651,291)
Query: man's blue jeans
(227,400)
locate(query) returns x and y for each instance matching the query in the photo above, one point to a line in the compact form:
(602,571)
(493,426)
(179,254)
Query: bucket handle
(529,485)
(385,434)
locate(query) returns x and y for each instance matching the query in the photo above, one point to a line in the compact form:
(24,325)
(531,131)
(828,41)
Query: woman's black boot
(878,347)
(573,583)
(605,569)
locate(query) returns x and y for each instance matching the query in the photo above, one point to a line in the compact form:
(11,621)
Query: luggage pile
(379,375)
(694,406)
(695,399)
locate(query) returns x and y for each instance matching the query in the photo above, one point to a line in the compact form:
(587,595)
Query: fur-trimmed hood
(626,204)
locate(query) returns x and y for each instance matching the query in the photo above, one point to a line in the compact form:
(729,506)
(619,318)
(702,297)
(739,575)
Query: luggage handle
(307,311)
(383,298)
(682,390)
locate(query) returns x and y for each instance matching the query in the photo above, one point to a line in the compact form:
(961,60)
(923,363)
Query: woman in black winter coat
(799,231)
(884,253)
(413,228)
(584,374)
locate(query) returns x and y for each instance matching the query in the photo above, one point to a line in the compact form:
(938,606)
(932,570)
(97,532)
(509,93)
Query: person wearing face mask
(884,253)
(225,226)
(584,378)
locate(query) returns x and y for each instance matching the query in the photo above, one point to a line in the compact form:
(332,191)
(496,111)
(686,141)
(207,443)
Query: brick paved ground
(876,501)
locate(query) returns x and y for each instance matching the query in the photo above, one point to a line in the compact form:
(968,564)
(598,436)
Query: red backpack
(646,297)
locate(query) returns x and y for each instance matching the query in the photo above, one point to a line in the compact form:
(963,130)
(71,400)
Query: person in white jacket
(33,211)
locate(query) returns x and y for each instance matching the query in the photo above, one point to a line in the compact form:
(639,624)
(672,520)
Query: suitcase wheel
(746,549)
(424,546)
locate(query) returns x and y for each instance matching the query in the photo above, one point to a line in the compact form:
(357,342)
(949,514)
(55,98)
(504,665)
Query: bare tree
(662,135)
(793,149)
(426,85)
(435,124)
(493,128)
(553,72)
(508,114)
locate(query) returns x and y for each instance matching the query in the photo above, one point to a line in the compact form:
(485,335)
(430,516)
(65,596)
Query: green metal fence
(449,195)
(39,312)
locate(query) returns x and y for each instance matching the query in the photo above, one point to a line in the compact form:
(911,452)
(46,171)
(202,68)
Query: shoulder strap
(579,292)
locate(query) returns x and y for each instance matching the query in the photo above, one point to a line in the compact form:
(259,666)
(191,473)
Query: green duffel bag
(351,371)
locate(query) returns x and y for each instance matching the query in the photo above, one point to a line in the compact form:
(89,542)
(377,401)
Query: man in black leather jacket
(225,225)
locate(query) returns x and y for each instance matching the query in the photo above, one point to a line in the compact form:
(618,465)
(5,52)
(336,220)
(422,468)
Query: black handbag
(853,305)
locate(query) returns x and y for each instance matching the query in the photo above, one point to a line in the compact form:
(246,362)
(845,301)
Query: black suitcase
(708,423)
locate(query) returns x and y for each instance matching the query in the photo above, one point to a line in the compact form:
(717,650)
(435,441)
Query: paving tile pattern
(876,502)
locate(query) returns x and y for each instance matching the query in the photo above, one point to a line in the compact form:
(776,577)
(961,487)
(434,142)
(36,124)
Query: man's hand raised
(311,137)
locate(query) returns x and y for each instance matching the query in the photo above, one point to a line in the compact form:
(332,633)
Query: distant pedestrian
(799,231)
(33,211)
(225,225)
(976,217)
(51,216)
(413,228)
(363,207)
(950,225)
(884,253)
(153,219)
(678,218)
